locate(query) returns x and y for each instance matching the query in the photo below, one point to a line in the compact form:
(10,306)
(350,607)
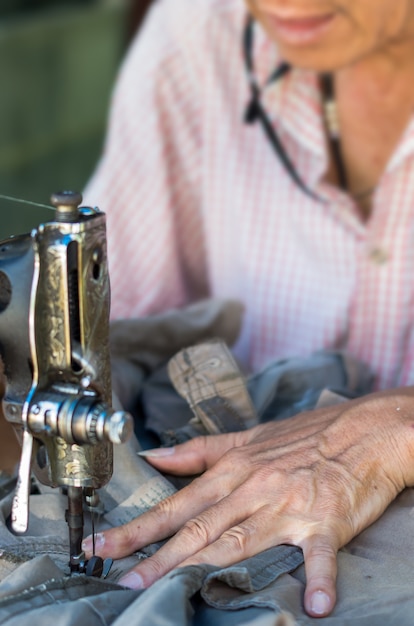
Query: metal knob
(66,203)
(118,428)
(95,423)
(79,419)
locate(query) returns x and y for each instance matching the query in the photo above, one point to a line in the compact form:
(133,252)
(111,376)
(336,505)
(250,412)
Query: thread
(29,202)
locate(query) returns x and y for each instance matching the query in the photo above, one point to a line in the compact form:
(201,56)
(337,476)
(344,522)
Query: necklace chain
(331,118)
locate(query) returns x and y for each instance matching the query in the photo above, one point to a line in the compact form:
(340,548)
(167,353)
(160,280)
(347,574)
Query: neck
(379,72)
(374,101)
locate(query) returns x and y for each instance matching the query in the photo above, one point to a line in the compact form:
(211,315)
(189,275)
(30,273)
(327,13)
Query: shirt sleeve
(148,179)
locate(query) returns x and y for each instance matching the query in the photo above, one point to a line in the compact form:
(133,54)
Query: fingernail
(157,452)
(87,543)
(320,603)
(132,580)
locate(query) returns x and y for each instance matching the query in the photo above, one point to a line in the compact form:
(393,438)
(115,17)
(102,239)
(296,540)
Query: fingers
(167,517)
(320,554)
(225,534)
(199,532)
(195,456)
(222,542)
(249,537)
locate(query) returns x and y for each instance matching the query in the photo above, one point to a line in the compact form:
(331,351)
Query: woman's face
(331,34)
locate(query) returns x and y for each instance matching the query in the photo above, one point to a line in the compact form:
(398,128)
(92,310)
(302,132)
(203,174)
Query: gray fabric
(139,347)
(376,575)
(375,585)
(282,389)
(288,386)
(37,592)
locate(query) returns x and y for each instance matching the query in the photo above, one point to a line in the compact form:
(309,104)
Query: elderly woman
(304,211)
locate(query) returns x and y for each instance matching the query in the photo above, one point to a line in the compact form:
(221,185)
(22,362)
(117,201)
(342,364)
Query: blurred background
(58,62)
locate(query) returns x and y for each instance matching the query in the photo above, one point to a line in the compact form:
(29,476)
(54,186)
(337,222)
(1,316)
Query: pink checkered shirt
(198,203)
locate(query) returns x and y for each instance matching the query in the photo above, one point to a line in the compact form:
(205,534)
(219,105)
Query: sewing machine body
(54,342)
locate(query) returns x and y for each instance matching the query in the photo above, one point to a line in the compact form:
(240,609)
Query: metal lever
(20,506)
(76,420)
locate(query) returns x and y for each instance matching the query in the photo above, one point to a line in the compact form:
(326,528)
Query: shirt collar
(404,149)
(293,103)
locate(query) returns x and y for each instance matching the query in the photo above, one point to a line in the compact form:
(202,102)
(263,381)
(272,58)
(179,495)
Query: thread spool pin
(66,204)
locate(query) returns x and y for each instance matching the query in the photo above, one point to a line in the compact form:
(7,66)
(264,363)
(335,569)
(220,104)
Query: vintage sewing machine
(54,343)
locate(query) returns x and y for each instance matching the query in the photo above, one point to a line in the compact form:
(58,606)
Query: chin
(321,61)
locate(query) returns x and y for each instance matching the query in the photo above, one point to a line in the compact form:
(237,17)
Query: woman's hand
(314,481)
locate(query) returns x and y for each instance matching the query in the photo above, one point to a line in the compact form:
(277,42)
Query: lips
(297,30)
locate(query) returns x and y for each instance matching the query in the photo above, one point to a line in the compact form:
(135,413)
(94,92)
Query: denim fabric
(289,386)
(282,389)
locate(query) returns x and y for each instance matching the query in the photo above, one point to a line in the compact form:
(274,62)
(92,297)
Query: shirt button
(379,256)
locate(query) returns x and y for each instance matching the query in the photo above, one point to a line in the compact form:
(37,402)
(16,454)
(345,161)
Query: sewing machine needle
(93,532)
(74,518)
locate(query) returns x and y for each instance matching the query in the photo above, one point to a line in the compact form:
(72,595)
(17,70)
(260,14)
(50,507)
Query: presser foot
(95,566)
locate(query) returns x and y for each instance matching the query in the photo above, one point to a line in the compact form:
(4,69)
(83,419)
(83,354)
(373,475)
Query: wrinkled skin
(362,30)
(313,481)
